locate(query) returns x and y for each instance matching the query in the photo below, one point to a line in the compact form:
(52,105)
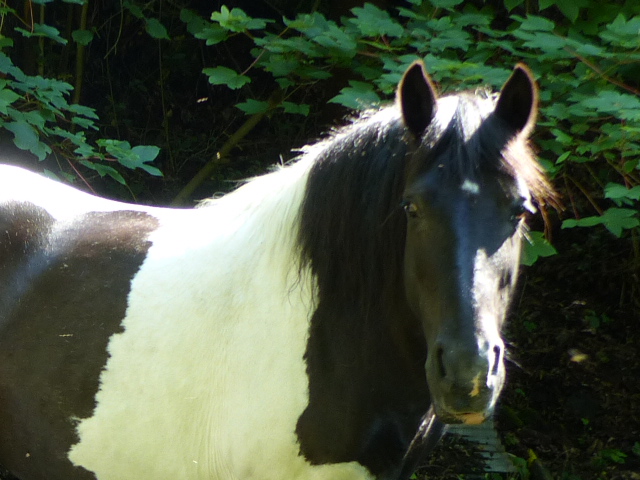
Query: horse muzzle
(465,382)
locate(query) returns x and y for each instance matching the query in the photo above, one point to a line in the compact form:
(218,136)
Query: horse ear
(518,101)
(417,98)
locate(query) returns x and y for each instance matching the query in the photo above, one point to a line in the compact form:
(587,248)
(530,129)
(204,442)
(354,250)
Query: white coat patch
(208,379)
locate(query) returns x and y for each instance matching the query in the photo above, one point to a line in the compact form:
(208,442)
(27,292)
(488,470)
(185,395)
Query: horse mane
(351,211)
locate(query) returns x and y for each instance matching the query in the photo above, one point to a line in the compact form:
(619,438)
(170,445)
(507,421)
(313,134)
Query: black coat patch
(63,294)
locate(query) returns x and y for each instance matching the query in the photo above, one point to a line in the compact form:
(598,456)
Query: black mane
(360,354)
(351,212)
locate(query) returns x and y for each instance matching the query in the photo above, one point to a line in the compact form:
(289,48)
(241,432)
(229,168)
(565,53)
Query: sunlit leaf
(536,246)
(372,21)
(41,30)
(357,96)
(156,30)
(7,97)
(251,106)
(301,109)
(616,191)
(226,76)
(83,37)
(26,137)
(614,219)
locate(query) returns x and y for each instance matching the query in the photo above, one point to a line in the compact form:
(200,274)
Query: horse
(323,321)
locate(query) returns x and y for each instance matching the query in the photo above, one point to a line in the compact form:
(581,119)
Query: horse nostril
(440,362)
(496,360)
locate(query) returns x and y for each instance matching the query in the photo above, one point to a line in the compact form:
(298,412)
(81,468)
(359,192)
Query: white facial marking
(471,187)
(475,391)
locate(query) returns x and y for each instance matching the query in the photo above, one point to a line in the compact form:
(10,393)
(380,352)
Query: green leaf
(156,30)
(226,76)
(85,150)
(299,108)
(195,23)
(546,42)
(621,27)
(535,247)
(212,34)
(511,4)
(251,106)
(589,49)
(7,66)
(146,153)
(357,96)
(41,30)
(562,137)
(615,191)
(7,97)
(236,20)
(83,110)
(77,138)
(451,39)
(623,105)
(311,25)
(372,21)
(563,157)
(134,9)
(445,3)
(281,65)
(83,37)
(5,10)
(336,38)
(84,123)
(150,170)
(5,42)
(544,4)
(631,165)
(103,170)
(25,137)
(132,158)
(614,219)
(571,8)
(534,23)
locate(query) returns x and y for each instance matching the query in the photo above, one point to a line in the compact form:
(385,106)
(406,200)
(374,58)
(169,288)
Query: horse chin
(472,418)
(466,418)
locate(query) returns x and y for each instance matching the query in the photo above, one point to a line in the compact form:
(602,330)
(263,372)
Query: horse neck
(262,215)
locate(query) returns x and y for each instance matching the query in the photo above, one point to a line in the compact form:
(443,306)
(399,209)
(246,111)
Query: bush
(585,54)
(45,121)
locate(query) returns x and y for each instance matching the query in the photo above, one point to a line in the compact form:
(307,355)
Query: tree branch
(222,156)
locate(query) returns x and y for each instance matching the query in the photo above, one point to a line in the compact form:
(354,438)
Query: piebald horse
(321,322)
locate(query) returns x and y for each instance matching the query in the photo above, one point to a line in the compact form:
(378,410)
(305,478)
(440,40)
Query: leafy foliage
(585,53)
(38,112)
(535,247)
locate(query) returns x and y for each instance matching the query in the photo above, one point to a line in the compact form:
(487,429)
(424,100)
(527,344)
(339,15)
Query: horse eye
(410,208)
